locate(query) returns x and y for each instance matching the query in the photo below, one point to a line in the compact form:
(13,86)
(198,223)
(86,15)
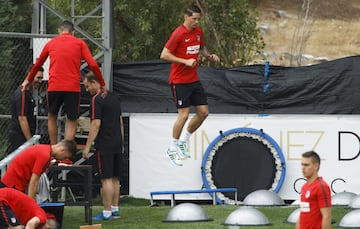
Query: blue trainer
(115,214)
(101,216)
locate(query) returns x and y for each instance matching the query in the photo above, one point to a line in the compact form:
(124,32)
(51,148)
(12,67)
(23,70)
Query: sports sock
(106,213)
(173,144)
(114,208)
(185,136)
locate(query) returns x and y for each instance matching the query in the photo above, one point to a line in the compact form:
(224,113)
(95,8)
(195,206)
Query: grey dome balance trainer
(263,198)
(351,219)
(355,202)
(246,216)
(342,198)
(293,217)
(187,212)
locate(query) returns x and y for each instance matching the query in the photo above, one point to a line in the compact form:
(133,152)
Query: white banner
(335,138)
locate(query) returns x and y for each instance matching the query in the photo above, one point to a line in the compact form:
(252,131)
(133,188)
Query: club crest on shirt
(198,37)
(179,102)
(307,194)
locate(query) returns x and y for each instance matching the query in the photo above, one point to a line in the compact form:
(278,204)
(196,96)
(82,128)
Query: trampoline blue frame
(246,130)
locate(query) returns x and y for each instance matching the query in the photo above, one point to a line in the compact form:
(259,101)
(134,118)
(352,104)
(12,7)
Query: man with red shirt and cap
(25,170)
(182,50)
(66,53)
(18,210)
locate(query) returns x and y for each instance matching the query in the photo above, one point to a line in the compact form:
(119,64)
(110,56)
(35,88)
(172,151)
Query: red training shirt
(66,53)
(185,44)
(23,206)
(35,159)
(313,197)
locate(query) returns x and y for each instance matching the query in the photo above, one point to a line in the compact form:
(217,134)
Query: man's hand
(214,57)
(190,62)
(24,84)
(85,153)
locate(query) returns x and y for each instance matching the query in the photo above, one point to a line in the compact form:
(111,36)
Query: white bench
(212,192)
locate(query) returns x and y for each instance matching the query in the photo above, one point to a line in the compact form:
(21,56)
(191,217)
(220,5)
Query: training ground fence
(17,54)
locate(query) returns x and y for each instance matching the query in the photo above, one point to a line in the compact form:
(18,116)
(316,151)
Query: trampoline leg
(214,198)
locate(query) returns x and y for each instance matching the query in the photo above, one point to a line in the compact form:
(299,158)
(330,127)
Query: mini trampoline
(244,158)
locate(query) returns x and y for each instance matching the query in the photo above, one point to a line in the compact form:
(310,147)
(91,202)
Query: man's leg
(202,112)
(172,152)
(70,131)
(183,115)
(116,195)
(52,128)
(107,193)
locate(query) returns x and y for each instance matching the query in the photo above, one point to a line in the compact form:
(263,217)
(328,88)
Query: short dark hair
(70,145)
(66,25)
(192,9)
(315,158)
(90,76)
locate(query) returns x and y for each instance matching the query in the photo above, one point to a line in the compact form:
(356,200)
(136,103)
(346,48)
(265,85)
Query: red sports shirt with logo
(184,43)
(313,197)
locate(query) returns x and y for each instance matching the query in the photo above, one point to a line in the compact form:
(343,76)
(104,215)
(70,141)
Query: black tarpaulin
(329,88)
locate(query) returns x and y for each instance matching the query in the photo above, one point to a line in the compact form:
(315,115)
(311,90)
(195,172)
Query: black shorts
(71,101)
(190,94)
(109,165)
(7,217)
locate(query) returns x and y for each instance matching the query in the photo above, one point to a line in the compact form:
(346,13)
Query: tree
(302,31)
(142,30)
(13,52)
(230,29)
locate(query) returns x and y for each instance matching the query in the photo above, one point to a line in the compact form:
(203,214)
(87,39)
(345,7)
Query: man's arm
(93,132)
(32,223)
(168,56)
(33,185)
(24,125)
(326,218)
(297,225)
(36,67)
(212,57)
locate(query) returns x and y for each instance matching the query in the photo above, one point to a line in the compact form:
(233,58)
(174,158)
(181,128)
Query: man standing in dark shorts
(66,53)
(23,119)
(107,130)
(182,49)
(315,197)
(18,209)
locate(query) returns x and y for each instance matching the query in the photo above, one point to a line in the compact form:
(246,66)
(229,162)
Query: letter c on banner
(332,184)
(296,181)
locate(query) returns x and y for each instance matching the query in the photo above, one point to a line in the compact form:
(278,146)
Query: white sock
(106,213)
(185,136)
(114,208)
(174,143)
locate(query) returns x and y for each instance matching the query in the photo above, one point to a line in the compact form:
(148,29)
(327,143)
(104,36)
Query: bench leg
(151,200)
(172,200)
(236,200)
(214,198)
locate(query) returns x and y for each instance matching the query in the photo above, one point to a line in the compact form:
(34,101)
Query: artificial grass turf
(136,215)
